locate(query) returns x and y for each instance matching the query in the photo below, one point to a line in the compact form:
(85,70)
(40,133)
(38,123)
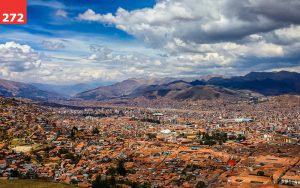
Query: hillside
(22,90)
(264,83)
(118,90)
(181,90)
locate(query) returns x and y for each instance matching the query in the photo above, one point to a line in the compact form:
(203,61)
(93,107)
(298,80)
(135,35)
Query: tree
(260,173)
(99,183)
(63,151)
(206,137)
(14,173)
(73,132)
(70,156)
(39,157)
(113,181)
(151,135)
(27,158)
(211,142)
(121,169)
(200,184)
(241,138)
(103,182)
(111,171)
(76,159)
(95,131)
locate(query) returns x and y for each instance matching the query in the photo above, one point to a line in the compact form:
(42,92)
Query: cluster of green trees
(120,169)
(200,184)
(95,131)
(4,135)
(157,121)
(27,158)
(150,120)
(237,138)
(73,133)
(151,135)
(218,138)
(213,139)
(74,158)
(105,182)
(109,181)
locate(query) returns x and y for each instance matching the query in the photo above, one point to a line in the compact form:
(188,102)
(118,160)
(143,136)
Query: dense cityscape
(201,144)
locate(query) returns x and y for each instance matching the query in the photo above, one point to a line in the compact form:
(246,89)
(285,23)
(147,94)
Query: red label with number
(13,12)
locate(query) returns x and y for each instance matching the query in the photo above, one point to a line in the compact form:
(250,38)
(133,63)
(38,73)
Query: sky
(83,41)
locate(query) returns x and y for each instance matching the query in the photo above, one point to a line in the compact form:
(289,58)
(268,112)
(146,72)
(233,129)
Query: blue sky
(44,21)
(74,41)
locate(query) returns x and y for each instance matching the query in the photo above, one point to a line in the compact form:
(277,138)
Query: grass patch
(31,184)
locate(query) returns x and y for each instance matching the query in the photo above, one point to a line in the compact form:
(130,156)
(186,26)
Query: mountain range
(200,88)
(23,90)
(264,83)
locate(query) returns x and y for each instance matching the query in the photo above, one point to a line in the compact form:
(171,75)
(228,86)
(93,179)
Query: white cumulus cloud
(209,34)
(18,58)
